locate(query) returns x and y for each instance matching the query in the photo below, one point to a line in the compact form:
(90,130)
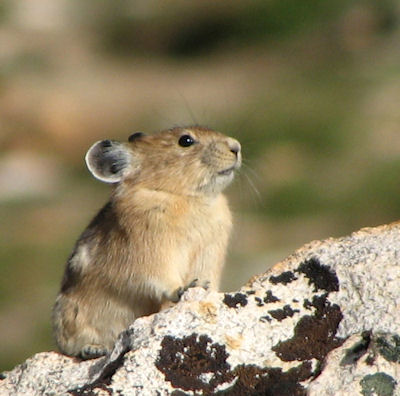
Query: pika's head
(182,160)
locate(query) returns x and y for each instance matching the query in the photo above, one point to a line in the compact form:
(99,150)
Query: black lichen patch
(270,298)
(389,347)
(284,278)
(379,384)
(285,312)
(238,299)
(265,319)
(193,363)
(314,335)
(3,376)
(359,349)
(307,304)
(253,380)
(178,393)
(90,390)
(259,301)
(321,276)
(249,292)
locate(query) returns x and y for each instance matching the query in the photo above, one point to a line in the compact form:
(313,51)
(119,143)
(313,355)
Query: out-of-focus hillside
(311,89)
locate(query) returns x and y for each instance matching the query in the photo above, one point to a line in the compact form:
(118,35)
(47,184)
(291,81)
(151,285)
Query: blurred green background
(311,89)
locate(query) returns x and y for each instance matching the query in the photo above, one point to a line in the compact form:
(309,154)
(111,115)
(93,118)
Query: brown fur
(165,225)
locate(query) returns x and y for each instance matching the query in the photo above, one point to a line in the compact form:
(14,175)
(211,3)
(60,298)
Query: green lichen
(379,384)
(357,350)
(389,348)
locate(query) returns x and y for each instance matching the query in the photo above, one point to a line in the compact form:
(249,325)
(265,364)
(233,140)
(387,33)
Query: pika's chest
(180,218)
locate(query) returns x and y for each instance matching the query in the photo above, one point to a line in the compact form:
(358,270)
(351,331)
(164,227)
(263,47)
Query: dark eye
(185,141)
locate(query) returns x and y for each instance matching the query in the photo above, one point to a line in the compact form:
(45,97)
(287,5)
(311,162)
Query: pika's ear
(108,160)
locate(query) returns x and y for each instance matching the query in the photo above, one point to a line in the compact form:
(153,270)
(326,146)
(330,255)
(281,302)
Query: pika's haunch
(165,228)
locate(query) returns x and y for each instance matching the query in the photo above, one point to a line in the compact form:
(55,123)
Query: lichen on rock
(323,321)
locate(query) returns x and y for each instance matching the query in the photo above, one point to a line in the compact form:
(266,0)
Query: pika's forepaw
(176,296)
(93,351)
(206,285)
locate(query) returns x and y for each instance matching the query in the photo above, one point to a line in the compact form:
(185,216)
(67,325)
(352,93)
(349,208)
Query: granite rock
(323,321)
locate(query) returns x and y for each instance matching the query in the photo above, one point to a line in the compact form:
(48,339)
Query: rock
(365,364)
(325,321)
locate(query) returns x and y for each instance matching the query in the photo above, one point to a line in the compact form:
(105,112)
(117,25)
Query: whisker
(188,108)
(160,115)
(250,169)
(253,187)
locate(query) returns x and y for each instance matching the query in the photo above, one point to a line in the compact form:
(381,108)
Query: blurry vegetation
(310,88)
(180,29)
(4,8)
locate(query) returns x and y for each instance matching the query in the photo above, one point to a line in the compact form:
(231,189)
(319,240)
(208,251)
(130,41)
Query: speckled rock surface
(325,321)
(366,364)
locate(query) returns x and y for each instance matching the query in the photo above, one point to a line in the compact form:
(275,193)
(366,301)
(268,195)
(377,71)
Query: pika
(164,229)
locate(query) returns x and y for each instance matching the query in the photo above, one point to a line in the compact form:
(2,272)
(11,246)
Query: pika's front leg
(171,298)
(177,294)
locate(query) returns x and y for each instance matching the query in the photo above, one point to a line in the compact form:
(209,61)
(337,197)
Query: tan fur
(165,225)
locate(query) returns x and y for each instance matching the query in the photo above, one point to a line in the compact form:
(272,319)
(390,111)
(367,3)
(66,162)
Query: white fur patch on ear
(107,160)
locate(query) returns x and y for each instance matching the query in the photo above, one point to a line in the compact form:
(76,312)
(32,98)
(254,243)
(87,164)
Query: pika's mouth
(231,169)
(227,171)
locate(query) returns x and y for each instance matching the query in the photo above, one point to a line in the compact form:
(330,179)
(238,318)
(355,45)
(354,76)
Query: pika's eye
(186,141)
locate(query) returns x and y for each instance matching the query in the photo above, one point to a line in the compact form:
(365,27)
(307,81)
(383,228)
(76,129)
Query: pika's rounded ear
(135,136)
(108,160)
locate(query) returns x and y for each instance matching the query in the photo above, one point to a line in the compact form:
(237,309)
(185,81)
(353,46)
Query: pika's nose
(234,146)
